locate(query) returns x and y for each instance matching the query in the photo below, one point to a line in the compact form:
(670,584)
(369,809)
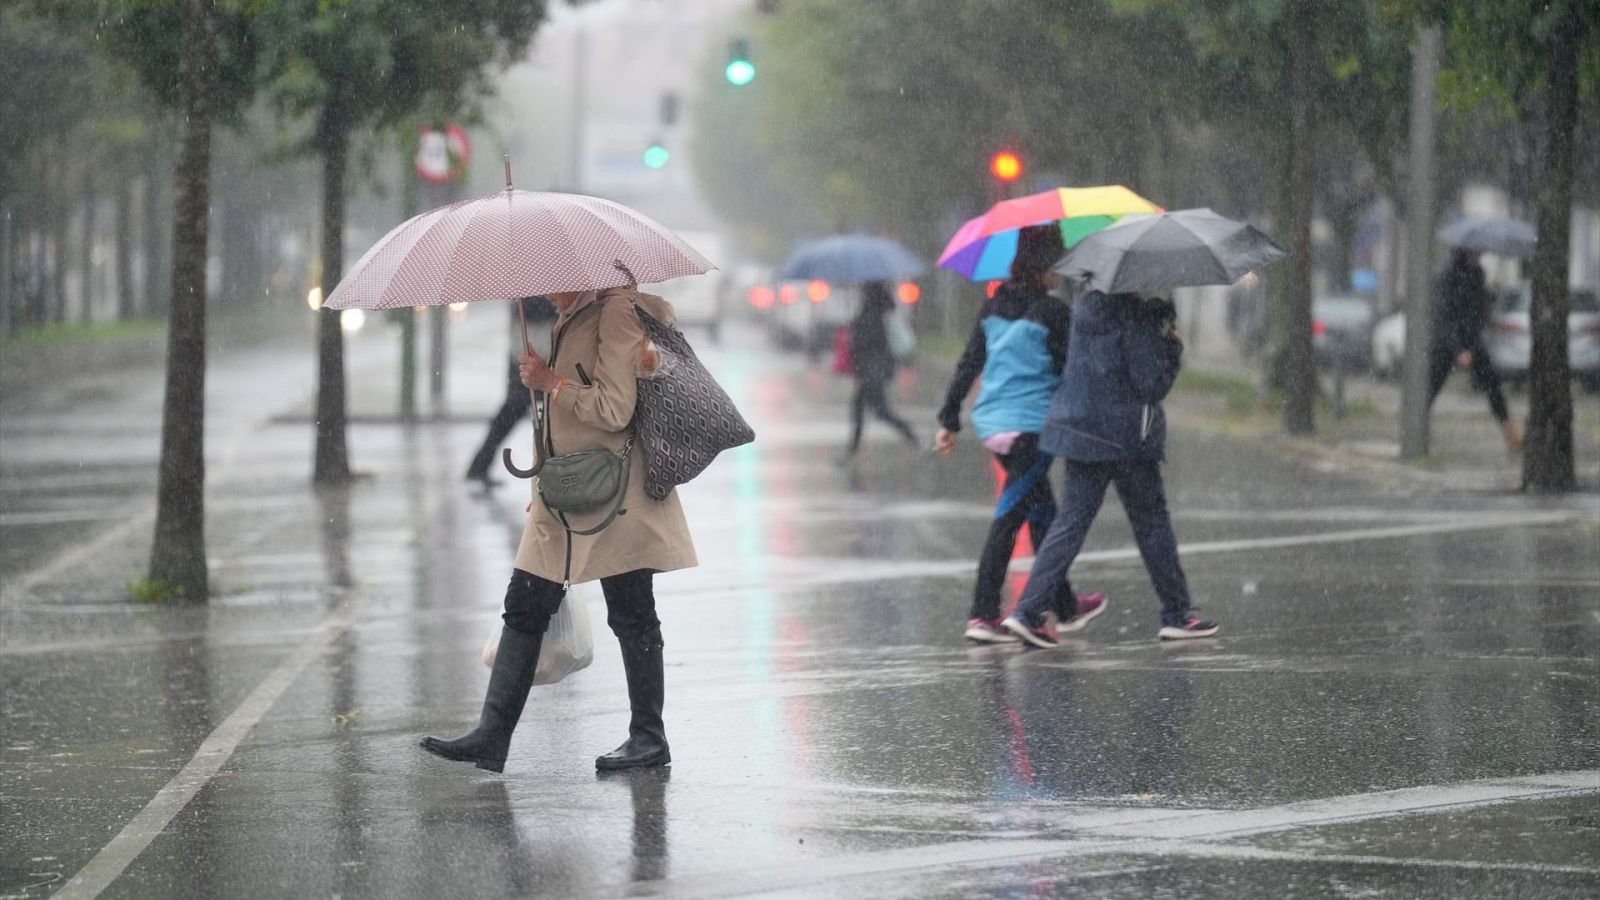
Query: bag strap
(550,448)
(616,510)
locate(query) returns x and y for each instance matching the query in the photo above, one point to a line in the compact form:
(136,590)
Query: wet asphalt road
(1404,700)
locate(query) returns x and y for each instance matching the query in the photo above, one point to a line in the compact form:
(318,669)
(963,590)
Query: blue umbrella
(852,259)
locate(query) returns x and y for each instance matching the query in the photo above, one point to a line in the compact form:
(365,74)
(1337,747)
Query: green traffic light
(656,156)
(740,72)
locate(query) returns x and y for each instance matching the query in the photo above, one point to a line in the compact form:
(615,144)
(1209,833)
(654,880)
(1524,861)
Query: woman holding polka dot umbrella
(586,254)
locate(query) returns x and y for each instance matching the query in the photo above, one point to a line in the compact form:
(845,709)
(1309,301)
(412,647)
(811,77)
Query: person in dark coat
(874,365)
(541,313)
(1019,346)
(1106,422)
(1461,303)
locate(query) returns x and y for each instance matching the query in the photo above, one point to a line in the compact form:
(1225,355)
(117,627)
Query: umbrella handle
(505,457)
(622,267)
(538,454)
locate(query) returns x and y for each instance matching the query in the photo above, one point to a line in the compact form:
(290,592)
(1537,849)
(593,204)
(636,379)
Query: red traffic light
(1006,166)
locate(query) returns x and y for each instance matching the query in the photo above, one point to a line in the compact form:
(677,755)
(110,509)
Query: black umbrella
(1183,248)
(1507,237)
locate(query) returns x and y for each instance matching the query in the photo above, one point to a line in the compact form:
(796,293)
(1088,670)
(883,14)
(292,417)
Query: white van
(700,300)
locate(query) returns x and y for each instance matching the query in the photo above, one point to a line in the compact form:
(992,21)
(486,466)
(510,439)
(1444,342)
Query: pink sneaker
(988,631)
(1089,606)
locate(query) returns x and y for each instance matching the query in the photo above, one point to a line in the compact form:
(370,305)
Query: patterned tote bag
(683,418)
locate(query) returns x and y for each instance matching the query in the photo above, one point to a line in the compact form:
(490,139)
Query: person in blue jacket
(1019,346)
(1106,422)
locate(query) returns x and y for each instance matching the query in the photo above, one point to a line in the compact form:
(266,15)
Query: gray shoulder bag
(581,482)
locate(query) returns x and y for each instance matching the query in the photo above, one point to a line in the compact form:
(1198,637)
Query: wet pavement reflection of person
(647,789)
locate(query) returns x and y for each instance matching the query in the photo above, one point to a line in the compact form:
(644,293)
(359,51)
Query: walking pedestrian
(540,314)
(1106,421)
(590,382)
(1461,304)
(1019,346)
(874,365)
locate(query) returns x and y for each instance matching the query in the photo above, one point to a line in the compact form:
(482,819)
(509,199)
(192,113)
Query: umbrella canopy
(852,259)
(1507,237)
(985,246)
(514,244)
(1147,254)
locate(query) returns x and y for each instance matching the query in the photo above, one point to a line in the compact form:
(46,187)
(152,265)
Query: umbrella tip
(507,159)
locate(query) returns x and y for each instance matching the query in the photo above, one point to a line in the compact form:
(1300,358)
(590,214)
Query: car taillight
(1508,326)
(1319,327)
(788,294)
(817,291)
(762,297)
(909,292)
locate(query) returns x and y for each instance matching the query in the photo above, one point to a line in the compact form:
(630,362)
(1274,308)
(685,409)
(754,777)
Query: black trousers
(873,394)
(1484,377)
(1144,499)
(1026,497)
(517,403)
(630,603)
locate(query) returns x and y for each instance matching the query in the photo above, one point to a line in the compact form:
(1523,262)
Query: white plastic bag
(902,339)
(568,643)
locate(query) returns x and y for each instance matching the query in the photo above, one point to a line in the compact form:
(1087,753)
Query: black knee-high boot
(509,681)
(647,737)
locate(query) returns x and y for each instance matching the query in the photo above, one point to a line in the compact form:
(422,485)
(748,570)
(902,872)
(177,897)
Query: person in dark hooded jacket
(874,366)
(1106,422)
(1019,347)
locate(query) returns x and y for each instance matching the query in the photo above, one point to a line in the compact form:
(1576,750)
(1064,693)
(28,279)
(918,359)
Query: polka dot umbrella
(514,244)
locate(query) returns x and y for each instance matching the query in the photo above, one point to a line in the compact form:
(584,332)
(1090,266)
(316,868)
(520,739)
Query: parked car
(1507,338)
(1341,331)
(1510,343)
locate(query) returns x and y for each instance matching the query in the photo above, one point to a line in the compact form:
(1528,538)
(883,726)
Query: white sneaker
(987,631)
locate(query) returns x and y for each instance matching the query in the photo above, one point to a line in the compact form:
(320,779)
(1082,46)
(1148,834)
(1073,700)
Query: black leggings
(873,393)
(630,603)
(1484,378)
(1026,497)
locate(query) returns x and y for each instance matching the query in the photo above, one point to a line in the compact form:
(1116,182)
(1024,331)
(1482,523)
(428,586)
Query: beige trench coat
(649,534)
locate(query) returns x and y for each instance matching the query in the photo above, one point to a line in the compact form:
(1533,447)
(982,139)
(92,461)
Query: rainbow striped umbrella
(984,247)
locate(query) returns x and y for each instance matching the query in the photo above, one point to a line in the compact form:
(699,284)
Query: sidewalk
(1467,452)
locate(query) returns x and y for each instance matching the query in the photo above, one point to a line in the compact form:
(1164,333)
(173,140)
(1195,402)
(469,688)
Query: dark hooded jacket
(1108,407)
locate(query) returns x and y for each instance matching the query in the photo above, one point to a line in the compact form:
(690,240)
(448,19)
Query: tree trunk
(8,244)
(124,246)
(86,285)
(1547,463)
(1299,364)
(331,464)
(178,556)
(58,245)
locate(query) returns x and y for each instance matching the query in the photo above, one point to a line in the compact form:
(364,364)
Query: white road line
(1227,824)
(1199,548)
(782,573)
(218,746)
(141,518)
(1156,833)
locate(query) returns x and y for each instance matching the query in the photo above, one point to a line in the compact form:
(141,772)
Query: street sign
(442,154)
